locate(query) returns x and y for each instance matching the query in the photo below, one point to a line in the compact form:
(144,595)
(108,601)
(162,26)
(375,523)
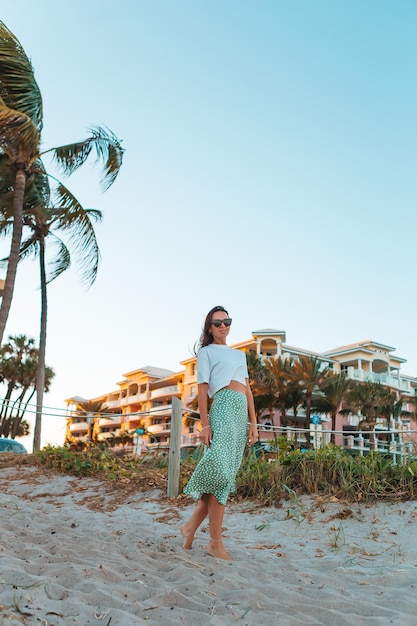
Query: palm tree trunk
(333,415)
(19,192)
(19,414)
(4,409)
(40,372)
(308,419)
(283,411)
(32,393)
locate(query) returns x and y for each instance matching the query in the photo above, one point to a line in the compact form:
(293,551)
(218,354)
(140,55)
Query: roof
(303,351)
(358,345)
(268,332)
(75,399)
(156,372)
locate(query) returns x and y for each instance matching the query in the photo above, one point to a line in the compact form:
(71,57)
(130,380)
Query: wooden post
(174,449)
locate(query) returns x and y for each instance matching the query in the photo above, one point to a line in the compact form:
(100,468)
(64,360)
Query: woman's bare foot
(216,548)
(188,537)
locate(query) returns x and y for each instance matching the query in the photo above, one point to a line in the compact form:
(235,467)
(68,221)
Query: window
(193,369)
(192,391)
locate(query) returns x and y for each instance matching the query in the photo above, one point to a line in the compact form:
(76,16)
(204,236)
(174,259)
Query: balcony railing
(109,421)
(165,391)
(78,427)
(164,409)
(80,437)
(104,436)
(375,377)
(157,429)
(112,404)
(190,440)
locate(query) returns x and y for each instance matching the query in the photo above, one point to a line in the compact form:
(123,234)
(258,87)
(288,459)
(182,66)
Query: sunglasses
(227,322)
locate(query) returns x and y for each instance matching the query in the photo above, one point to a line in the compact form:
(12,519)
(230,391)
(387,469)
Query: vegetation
(18,367)
(97,461)
(334,391)
(88,410)
(27,201)
(329,472)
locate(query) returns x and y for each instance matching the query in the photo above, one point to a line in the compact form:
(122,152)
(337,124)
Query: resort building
(141,406)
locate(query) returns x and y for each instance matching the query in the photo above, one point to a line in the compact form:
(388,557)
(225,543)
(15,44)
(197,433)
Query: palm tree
(295,400)
(75,222)
(22,403)
(18,353)
(334,390)
(371,400)
(20,139)
(258,375)
(18,365)
(20,146)
(278,384)
(20,134)
(91,409)
(308,373)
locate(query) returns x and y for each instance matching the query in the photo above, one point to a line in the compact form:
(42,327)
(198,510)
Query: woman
(222,374)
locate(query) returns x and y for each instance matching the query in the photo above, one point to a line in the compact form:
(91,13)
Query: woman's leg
(216,513)
(199,515)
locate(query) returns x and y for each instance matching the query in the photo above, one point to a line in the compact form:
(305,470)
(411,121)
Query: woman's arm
(253,431)
(205,434)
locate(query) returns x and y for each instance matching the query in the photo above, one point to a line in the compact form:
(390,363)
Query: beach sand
(72,552)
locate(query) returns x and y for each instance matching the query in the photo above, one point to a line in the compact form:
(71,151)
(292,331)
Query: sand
(71,553)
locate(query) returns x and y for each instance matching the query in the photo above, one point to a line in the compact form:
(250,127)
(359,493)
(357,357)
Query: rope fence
(393,442)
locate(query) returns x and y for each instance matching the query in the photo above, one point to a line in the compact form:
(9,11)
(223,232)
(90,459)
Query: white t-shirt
(217,365)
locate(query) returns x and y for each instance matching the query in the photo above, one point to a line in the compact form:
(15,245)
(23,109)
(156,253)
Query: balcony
(374,377)
(139,397)
(190,440)
(80,437)
(109,421)
(112,404)
(165,391)
(165,409)
(158,429)
(104,436)
(78,427)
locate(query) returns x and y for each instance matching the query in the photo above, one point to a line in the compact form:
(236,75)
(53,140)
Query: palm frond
(7,180)
(61,260)
(108,149)
(41,183)
(6,227)
(37,195)
(19,137)
(18,87)
(28,248)
(70,207)
(70,217)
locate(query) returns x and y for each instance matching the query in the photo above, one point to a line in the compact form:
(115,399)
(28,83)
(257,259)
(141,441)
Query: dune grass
(330,471)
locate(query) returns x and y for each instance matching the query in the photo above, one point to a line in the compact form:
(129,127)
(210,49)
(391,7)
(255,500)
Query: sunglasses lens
(217,323)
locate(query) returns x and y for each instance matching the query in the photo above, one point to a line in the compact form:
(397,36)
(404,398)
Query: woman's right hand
(206,436)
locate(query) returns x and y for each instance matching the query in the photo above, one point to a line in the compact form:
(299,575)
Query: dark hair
(206,337)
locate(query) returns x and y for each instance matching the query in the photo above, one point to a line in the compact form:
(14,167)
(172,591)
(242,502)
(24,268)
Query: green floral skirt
(216,472)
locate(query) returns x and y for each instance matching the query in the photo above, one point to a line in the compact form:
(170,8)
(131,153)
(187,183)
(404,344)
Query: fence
(396,443)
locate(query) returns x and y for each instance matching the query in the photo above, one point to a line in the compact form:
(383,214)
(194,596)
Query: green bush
(329,471)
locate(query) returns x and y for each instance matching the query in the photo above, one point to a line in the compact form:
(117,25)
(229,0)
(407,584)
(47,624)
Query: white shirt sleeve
(203,366)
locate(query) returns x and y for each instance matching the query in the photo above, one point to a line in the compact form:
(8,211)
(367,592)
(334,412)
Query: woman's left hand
(253,434)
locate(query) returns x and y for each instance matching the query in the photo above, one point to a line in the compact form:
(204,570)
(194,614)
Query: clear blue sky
(270,167)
